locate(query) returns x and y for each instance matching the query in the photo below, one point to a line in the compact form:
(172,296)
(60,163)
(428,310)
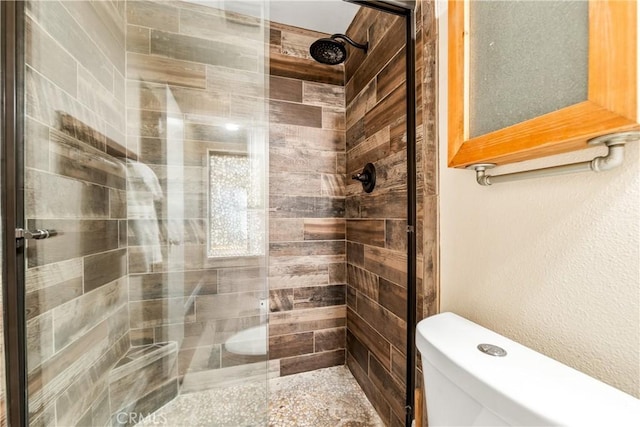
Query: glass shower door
(145,162)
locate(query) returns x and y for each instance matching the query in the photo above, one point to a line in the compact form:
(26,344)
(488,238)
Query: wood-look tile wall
(76,282)
(426,57)
(191,70)
(307,166)
(427,167)
(376,222)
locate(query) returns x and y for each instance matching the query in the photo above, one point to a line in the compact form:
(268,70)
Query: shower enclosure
(141,147)
(163,160)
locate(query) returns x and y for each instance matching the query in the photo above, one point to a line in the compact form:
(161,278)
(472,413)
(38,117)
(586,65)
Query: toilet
(476,377)
(249,342)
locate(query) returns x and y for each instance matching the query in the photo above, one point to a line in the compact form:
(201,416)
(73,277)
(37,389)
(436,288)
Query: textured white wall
(553,263)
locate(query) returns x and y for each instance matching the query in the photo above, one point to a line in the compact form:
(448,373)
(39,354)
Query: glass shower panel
(151,290)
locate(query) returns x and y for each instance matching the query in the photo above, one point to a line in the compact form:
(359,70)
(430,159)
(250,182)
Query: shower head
(328,51)
(332,51)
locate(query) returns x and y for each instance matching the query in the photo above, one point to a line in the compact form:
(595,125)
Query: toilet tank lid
(522,379)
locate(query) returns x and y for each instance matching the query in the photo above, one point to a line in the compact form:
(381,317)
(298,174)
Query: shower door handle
(38,234)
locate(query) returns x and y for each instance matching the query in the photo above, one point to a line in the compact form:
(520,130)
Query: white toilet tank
(466,387)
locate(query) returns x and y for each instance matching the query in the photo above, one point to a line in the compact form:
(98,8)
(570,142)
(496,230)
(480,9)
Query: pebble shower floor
(328,397)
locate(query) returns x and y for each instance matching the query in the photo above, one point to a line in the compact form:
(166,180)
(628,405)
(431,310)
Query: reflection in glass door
(145,142)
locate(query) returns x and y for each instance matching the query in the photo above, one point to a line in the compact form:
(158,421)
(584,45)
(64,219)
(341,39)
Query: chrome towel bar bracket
(615,143)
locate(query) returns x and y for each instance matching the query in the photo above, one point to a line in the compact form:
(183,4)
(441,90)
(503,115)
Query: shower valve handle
(367,177)
(362,177)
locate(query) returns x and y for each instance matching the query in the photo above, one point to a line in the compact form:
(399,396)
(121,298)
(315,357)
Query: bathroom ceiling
(326,16)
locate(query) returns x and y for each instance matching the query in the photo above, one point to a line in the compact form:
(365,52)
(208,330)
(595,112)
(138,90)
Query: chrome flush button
(492,350)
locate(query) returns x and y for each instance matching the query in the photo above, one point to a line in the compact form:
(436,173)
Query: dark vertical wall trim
(411,214)
(410,58)
(12,212)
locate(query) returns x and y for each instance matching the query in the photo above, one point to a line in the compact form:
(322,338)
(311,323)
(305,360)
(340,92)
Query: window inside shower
(235,206)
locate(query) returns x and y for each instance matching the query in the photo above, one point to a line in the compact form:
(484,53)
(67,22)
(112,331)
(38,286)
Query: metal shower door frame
(406,10)
(12,155)
(12,193)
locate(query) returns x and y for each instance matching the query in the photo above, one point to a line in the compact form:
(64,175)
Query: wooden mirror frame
(611,105)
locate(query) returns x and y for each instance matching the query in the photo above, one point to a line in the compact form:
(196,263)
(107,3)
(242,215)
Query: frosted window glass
(235,215)
(527,58)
